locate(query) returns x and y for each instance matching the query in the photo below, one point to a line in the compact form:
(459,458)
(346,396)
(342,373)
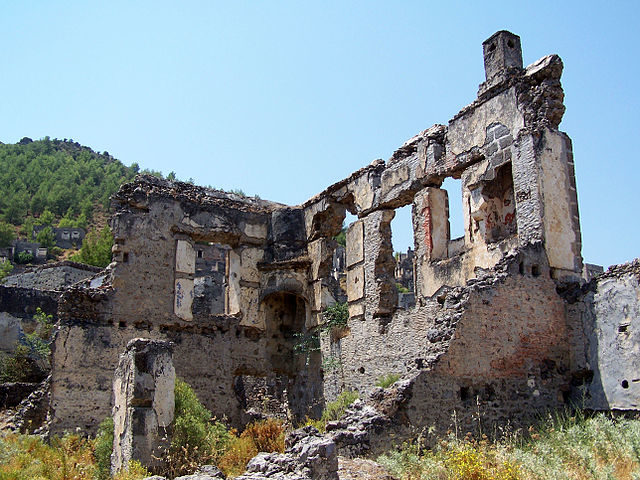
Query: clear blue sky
(281,99)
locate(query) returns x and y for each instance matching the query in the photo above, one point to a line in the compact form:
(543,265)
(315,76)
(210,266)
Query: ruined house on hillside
(502,322)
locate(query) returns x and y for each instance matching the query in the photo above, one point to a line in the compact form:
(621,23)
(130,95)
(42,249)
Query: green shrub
(23,257)
(333,410)
(385,381)
(26,457)
(6,267)
(336,409)
(103,446)
(196,440)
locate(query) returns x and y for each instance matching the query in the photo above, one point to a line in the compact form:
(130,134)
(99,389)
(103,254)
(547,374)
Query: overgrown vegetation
(96,248)
(563,447)
(334,410)
(6,267)
(102,448)
(335,317)
(387,380)
(199,439)
(30,360)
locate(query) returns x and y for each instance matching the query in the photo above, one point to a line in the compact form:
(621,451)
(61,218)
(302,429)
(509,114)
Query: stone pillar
(381,294)
(143,393)
(546,199)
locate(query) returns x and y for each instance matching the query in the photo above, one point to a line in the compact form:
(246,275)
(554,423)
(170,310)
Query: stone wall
(610,311)
(497,321)
(18,305)
(54,276)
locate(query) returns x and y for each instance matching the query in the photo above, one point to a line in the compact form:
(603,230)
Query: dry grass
(563,447)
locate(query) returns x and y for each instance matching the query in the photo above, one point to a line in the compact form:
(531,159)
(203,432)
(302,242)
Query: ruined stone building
(502,321)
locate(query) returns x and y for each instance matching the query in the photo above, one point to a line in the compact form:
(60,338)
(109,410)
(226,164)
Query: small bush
(385,381)
(267,435)
(235,459)
(197,439)
(23,257)
(333,410)
(103,446)
(134,471)
(262,436)
(30,360)
(6,267)
(336,409)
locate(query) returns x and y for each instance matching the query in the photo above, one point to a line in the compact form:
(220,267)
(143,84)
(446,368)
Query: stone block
(355,243)
(143,393)
(185,257)
(355,283)
(249,258)
(183,298)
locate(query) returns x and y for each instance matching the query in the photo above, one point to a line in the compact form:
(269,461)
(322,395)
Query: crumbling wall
(229,340)
(55,276)
(18,305)
(488,329)
(610,311)
(144,403)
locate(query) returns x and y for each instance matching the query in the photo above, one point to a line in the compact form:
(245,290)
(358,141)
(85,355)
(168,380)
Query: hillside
(62,176)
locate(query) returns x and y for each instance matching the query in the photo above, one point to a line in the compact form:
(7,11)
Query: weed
(385,381)
(262,436)
(333,410)
(566,446)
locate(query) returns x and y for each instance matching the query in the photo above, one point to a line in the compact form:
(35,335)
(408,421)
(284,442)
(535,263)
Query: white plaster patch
(185,257)
(183,298)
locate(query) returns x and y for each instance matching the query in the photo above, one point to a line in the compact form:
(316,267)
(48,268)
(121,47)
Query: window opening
(402,240)
(453,186)
(210,279)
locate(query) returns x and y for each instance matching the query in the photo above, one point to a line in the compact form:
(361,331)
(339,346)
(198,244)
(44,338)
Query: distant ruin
(500,322)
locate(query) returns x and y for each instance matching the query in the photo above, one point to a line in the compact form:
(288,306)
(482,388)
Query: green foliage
(103,446)
(334,410)
(96,248)
(46,238)
(196,438)
(61,177)
(341,238)
(387,380)
(30,360)
(68,221)
(401,288)
(7,234)
(27,227)
(23,257)
(6,267)
(47,217)
(335,316)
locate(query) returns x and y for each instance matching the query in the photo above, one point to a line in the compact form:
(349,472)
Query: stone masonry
(501,321)
(143,395)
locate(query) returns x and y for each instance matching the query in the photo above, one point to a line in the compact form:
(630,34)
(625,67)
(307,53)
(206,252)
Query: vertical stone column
(143,393)
(355,268)
(381,295)
(431,233)
(546,199)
